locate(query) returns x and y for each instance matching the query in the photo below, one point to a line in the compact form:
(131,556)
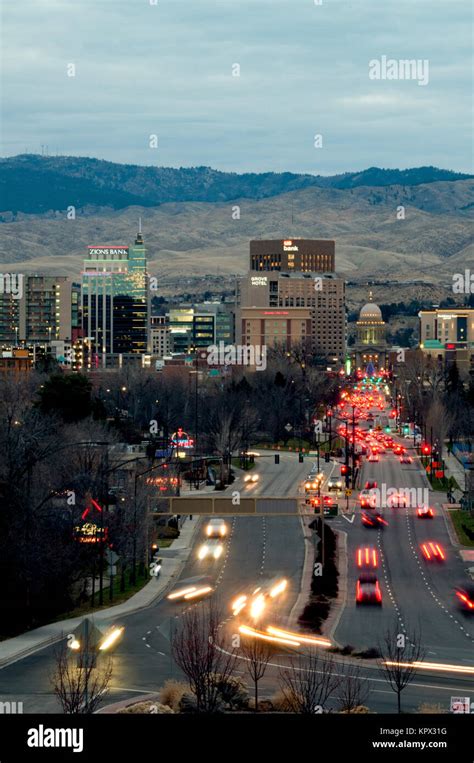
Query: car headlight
(202,552)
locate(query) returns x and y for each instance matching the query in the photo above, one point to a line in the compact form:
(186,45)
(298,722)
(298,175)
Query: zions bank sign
(108,252)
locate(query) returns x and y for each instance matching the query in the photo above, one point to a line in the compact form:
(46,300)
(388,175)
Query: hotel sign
(259,280)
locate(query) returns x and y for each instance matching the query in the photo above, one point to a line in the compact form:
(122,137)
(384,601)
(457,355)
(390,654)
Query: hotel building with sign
(293,291)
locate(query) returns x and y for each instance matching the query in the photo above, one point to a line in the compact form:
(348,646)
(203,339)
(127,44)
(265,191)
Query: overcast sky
(166,69)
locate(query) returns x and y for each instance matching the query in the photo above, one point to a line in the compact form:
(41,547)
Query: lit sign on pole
(90,532)
(180,439)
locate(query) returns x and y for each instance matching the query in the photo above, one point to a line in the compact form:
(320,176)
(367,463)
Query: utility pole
(353,447)
(346,459)
(329,416)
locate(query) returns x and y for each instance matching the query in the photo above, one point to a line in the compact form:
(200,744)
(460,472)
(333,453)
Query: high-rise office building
(159,336)
(190,328)
(292,255)
(48,310)
(51,309)
(447,336)
(115,302)
(288,280)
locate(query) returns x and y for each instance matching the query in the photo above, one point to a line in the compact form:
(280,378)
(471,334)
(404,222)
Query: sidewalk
(454,468)
(174,558)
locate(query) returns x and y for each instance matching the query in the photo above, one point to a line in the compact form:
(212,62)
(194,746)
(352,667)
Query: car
(191,588)
(216,528)
(397,500)
(374,519)
(325,500)
(465,597)
(334,483)
(367,557)
(250,479)
(255,602)
(425,512)
(371,485)
(368,590)
(432,552)
(373,457)
(399,450)
(211,548)
(367,499)
(406,459)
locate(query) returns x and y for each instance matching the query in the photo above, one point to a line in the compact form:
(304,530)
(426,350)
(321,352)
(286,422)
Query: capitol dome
(370,312)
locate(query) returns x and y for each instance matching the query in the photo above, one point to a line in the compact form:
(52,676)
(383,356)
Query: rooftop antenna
(139,226)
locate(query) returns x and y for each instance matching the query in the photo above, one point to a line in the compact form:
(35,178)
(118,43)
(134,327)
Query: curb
(305,576)
(329,626)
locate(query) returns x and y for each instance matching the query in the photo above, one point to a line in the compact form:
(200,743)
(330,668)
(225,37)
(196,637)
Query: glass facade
(115,301)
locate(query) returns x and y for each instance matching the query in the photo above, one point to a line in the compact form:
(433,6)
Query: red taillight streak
(359,558)
(464,598)
(374,558)
(358,595)
(426,552)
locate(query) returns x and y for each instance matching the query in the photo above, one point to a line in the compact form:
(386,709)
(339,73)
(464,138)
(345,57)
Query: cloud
(143,69)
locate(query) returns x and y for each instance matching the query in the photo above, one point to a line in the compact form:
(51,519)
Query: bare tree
(201,650)
(309,682)
(257,654)
(78,682)
(400,653)
(354,689)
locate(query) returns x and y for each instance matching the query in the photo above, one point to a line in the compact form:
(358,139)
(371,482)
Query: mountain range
(193,234)
(36,184)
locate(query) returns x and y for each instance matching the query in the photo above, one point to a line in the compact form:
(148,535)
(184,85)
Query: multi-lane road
(417,594)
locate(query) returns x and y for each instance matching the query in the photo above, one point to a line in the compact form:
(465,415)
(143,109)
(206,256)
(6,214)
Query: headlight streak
(111,639)
(444,667)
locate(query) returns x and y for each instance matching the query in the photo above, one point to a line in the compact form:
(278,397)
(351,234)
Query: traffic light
(300,458)
(277,458)
(425,449)
(327,457)
(343,469)
(387,429)
(406,429)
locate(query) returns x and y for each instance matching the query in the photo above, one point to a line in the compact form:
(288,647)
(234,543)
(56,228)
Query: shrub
(315,613)
(430,708)
(347,649)
(168,532)
(371,653)
(232,691)
(148,707)
(280,703)
(188,703)
(171,694)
